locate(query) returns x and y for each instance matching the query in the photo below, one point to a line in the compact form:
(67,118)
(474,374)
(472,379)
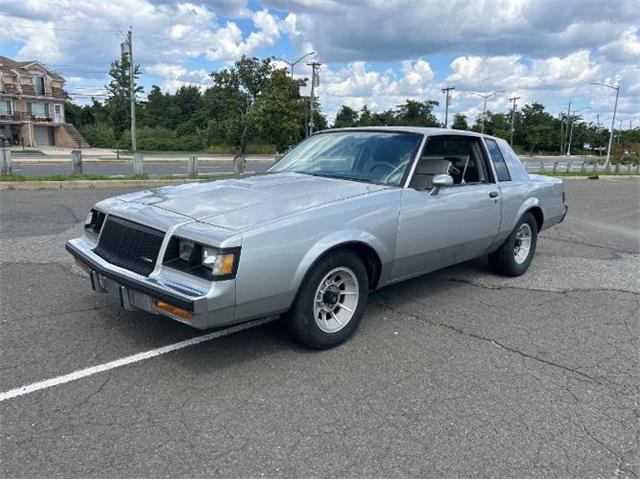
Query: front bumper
(209,305)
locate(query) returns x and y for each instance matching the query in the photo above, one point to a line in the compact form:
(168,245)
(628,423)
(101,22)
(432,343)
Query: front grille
(129,245)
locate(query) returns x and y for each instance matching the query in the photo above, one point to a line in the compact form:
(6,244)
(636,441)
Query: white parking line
(87,372)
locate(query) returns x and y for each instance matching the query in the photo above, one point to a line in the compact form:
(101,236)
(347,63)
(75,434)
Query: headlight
(202,260)
(186,249)
(221,263)
(94,221)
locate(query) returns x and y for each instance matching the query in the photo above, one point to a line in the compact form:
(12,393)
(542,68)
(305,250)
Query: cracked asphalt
(460,373)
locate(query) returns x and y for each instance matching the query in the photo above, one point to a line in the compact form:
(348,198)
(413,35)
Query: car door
(452,225)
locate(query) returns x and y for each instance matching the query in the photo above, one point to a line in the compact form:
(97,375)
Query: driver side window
(457,156)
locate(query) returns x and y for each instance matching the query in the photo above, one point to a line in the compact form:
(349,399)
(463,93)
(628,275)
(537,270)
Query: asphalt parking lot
(459,373)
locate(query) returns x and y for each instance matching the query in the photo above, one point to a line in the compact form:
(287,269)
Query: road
(460,373)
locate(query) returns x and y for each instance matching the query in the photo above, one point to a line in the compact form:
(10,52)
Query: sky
(373,52)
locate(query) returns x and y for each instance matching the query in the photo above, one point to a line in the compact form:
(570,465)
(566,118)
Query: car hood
(241,204)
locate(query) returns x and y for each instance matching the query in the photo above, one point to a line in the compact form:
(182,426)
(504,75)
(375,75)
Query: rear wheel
(331,301)
(516,253)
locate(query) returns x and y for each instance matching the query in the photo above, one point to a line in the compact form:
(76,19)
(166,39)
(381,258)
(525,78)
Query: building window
(38,110)
(5,107)
(38,85)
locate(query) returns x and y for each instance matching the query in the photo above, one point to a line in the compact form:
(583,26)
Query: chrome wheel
(523,242)
(336,299)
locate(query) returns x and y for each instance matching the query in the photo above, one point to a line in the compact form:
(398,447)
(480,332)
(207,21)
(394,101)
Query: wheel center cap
(330,298)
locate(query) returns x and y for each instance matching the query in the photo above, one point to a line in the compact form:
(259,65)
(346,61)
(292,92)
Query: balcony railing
(24,117)
(29,90)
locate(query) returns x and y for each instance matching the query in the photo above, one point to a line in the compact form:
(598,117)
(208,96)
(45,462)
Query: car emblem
(147,259)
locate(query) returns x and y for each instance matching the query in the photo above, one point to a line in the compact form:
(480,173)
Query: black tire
(503,260)
(301,319)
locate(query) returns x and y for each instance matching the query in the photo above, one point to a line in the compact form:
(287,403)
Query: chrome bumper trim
(147,286)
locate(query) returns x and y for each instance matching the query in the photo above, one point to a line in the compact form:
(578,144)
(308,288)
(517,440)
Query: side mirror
(440,181)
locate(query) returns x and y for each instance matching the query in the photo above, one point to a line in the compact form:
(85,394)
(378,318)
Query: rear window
(498,161)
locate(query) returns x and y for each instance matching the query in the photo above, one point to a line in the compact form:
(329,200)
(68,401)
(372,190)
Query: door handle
(493,194)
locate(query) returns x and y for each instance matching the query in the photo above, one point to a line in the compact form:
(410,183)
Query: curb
(90,184)
(601,177)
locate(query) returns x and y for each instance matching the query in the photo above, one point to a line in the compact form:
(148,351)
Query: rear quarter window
(502,171)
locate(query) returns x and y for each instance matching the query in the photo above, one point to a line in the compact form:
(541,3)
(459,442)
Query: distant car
(347,211)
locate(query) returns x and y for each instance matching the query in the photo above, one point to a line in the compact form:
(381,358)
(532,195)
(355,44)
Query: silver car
(346,212)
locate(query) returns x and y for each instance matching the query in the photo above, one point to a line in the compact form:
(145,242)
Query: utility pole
(607,164)
(513,115)
(484,106)
(570,137)
(598,134)
(132,93)
(315,81)
(573,120)
(566,130)
(620,132)
(561,132)
(447,92)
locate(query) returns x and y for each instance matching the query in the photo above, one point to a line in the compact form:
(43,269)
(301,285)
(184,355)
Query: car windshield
(365,156)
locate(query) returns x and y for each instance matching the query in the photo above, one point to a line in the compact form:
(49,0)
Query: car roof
(421,130)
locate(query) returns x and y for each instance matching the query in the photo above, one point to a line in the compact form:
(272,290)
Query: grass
(31,151)
(252,149)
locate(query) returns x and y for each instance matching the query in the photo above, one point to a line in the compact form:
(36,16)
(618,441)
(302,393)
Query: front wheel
(516,253)
(331,301)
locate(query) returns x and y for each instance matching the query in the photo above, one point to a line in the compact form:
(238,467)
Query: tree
(496,124)
(156,108)
(118,99)
(346,117)
(187,102)
(240,86)
(537,127)
(277,112)
(416,113)
(460,122)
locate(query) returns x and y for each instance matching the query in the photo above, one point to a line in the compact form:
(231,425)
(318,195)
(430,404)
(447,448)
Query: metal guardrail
(136,162)
(584,167)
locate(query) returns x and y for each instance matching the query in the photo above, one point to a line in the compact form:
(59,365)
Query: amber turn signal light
(179,312)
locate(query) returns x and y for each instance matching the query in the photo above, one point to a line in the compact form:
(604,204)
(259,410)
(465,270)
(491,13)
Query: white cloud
(625,49)
(230,45)
(375,30)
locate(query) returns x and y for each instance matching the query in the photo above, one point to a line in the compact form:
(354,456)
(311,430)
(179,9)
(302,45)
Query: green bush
(630,159)
(98,135)
(159,138)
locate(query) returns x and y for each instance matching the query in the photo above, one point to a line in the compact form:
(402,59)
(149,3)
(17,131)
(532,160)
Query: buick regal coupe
(345,212)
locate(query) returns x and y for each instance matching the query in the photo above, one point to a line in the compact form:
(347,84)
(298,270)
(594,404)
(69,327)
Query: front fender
(333,240)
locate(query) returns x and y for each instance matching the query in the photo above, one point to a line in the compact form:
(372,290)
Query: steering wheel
(454,170)
(384,165)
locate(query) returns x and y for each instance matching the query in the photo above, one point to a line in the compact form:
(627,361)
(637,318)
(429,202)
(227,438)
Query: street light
(571,131)
(293,64)
(613,121)
(484,106)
